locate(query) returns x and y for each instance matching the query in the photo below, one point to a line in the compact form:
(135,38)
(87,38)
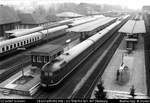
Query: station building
(146,9)
(45,54)
(31,20)
(9,19)
(133,28)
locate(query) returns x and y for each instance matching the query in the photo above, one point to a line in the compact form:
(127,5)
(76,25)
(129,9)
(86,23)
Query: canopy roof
(133,27)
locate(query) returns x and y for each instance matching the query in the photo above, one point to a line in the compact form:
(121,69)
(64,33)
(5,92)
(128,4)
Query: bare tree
(100,94)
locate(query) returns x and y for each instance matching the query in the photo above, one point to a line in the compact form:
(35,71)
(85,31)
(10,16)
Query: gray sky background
(133,4)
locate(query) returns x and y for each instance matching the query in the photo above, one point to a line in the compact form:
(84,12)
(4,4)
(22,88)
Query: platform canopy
(133,27)
(87,27)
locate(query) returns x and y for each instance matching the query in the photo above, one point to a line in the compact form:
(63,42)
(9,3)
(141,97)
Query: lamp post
(67,42)
(22,49)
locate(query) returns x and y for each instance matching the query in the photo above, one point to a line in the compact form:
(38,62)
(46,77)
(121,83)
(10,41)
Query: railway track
(67,88)
(14,69)
(147,51)
(15,61)
(98,68)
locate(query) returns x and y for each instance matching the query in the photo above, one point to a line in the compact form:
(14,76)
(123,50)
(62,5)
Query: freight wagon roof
(133,27)
(90,25)
(46,49)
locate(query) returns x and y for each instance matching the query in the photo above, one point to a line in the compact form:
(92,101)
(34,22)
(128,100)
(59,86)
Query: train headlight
(44,85)
(46,74)
(50,74)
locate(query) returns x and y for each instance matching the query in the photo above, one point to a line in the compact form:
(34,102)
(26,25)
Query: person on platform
(118,73)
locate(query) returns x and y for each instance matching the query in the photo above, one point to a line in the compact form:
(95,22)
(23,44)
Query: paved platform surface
(9,83)
(135,74)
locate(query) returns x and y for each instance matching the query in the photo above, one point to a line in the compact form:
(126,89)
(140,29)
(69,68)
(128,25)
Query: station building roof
(48,49)
(32,18)
(8,15)
(90,25)
(68,14)
(133,27)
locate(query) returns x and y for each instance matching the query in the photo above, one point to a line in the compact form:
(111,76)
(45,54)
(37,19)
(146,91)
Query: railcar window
(11,46)
(27,41)
(24,42)
(3,49)
(55,55)
(59,53)
(39,59)
(30,40)
(63,63)
(33,58)
(18,44)
(42,58)
(47,58)
(7,48)
(14,45)
(21,43)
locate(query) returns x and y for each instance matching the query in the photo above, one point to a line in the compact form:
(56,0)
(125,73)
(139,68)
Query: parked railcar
(84,20)
(69,22)
(12,45)
(9,46)
(53,73)
(39,28)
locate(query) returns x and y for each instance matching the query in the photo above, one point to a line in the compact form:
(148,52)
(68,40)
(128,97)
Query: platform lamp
(122,59)
(67,42)
(22,49)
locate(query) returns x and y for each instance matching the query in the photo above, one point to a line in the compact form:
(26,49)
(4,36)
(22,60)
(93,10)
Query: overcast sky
(133,4)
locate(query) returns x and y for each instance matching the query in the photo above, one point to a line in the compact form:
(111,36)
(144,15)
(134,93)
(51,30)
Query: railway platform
(26,82)
(135,75)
